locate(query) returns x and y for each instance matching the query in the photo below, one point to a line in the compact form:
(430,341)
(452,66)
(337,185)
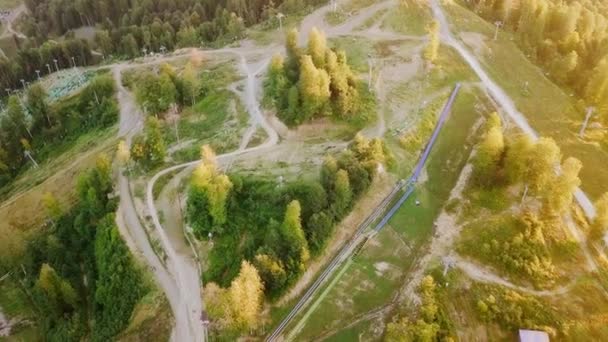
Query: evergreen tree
(343,194)
(317,46)
(59,293)
(276,84)
(314,89)
(294,242)
(37,106)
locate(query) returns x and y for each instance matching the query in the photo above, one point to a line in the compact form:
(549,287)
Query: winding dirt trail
(9,21)
(484,275)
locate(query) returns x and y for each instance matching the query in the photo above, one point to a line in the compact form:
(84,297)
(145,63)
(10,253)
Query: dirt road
(9,21)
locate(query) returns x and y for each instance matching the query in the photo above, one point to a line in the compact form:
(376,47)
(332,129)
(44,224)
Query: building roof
(533,336)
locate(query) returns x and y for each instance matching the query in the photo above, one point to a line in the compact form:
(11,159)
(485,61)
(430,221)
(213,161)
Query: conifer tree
(317,47)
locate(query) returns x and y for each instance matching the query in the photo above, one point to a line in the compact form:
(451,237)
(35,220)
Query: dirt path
(131,122)
(9,21)
(5,325)
(446,232)
(482,274)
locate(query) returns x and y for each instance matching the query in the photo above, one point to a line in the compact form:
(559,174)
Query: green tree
(17,118)
(118,284)
(209,191)
(187,36)
(295,245)
(104,42)
(191,84)
(59,293)
(37,106)
(272,273)
(277,83)
(293,55)
(155,93)
(129,46)
(343,195)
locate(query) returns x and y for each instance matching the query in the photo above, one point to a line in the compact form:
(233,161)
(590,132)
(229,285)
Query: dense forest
(127,28)
(568,38)
(276,227)
(35,126)
(78,275)
(314,82)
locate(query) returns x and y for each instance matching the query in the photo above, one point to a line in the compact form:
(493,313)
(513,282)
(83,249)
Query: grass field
(407,18)
(550,110)
(373,278)
(219,120)
(345,10)
(8,4)
(22,210)
(8,46)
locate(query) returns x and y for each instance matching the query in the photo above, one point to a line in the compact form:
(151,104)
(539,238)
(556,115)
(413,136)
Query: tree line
(126,28)
(78,275)
(275,227)
(42,57)
(35,126)
(568,38)
(313,82)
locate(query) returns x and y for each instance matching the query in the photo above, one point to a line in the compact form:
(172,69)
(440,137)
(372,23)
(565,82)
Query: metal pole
(176,131)
(49,67)
(370,63)
(498,24)
(73,62)
(29,155)
(38,74)
(586,122)
(56,65)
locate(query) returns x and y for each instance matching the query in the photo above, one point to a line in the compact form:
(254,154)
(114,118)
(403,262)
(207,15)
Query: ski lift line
(442,118)
(427,151)
(394,209)
(348,247)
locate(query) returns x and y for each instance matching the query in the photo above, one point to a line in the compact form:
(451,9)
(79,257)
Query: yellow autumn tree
(559,193)
(317,45)
(246,297)
(600,223)
(213,184)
